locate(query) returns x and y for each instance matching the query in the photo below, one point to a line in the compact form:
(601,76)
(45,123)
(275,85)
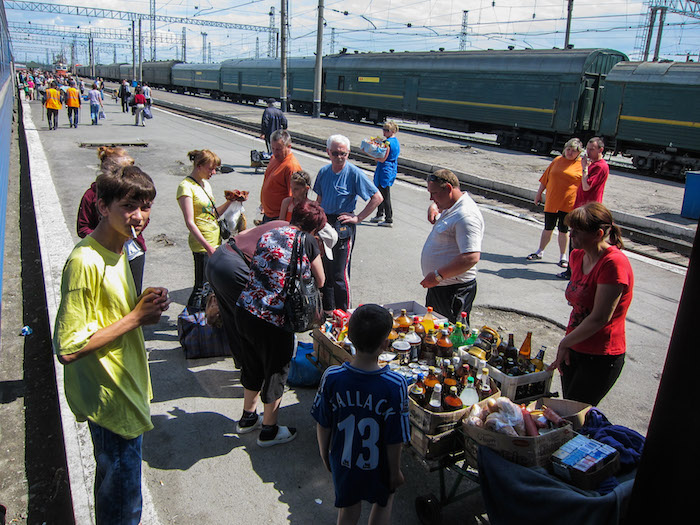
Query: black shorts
(553,219)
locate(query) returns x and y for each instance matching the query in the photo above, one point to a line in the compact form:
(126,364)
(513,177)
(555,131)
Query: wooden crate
(327,352)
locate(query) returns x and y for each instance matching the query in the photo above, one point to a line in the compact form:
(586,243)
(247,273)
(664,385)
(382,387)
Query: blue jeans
(94,113)
(117,478)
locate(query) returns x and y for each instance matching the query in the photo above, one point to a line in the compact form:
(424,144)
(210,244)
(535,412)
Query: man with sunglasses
(452,249)
(337,186)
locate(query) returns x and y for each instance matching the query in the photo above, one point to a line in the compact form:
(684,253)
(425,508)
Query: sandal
(563,263)
(244,429)
(534,257)
(284,435)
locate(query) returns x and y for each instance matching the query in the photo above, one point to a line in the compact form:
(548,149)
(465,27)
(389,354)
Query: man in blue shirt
(337,186)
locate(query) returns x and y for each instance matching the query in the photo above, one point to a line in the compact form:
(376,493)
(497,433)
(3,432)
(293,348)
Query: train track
(417,174)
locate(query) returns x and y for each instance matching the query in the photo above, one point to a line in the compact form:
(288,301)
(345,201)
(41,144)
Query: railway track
(648,243)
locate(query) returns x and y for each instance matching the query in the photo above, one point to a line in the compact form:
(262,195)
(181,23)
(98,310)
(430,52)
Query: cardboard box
(573,411)
(327,351)
(435,446)
(519,388)
(527,451)
(412,308)
(585,463)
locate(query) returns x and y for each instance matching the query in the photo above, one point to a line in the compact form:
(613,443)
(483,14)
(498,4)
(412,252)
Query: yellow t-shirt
(204,213)
(112,386)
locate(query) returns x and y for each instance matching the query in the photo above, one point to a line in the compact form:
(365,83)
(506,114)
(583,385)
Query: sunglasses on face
(339,153)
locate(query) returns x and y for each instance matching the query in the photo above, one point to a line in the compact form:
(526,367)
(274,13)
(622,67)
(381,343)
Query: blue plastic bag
(301,371)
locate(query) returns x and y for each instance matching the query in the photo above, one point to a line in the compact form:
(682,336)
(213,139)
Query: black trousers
(588,378)
(52,117)
(125,105)
(336,290)
(452,299)
(200,267)
(385,207)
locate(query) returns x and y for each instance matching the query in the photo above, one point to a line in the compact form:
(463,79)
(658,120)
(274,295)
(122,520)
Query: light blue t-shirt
(339,191)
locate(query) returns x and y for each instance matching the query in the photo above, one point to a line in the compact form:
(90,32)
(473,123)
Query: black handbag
(303,309)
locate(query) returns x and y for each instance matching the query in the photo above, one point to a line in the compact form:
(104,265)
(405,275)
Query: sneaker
(245,426)
(376,219)
(387,224)
(284,435)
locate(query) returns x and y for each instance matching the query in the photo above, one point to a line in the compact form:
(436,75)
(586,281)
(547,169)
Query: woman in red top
(140,103)
(591,355)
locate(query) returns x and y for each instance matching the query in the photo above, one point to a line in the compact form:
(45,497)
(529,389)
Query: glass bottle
(435,403)
(404,321)
(538,361)
(525,350)
(485,384)
(452,401)
(469,395)
(417,391)
(511,349)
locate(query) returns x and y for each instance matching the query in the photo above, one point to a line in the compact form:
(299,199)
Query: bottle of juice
(452,401)
(418,327)
(404,321)
(429,320)
(430,381)
(450,378)
(417,391)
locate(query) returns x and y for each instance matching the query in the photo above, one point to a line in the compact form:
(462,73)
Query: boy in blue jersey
(362,415)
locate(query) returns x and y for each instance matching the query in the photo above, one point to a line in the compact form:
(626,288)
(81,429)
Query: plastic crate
(519,388)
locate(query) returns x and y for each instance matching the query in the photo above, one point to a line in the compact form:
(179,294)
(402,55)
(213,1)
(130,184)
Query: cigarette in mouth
(133,232)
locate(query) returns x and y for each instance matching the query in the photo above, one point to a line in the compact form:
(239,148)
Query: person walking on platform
(124,93)
(140,101)
(53,105)
(147,93)
(272,120)
(73,104)
(95,99)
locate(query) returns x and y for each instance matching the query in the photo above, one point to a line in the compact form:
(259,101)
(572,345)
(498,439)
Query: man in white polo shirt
(452,249)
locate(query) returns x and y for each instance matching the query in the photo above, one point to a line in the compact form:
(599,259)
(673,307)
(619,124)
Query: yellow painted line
(668,122)
(399,97)
(484,105)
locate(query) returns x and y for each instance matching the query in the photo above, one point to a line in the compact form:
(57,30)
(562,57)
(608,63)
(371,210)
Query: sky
(355,25)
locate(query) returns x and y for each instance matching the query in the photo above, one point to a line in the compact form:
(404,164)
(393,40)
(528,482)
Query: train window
(341,83)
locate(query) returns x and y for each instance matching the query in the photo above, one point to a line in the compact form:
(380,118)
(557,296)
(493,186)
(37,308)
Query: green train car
(197,78)
(249,80)
(532,99)
(651,112)
(158,74)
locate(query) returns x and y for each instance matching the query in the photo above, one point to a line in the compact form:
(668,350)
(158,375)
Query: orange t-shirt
(561,180)
(277,185)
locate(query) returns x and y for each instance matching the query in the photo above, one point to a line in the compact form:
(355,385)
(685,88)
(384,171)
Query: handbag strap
(235,248)
(293,262)
(213,204)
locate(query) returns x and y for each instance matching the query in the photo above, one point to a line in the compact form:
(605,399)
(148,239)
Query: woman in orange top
(560,180)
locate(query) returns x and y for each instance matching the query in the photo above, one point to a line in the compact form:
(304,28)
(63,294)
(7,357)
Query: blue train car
(651,112)
(197,78)
(532,99)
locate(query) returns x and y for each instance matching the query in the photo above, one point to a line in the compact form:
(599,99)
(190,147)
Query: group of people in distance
(98,334)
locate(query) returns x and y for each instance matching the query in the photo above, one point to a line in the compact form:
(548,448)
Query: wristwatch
(438,277)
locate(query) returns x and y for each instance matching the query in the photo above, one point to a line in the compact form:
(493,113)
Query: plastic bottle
(473,334)
(417,391)
(450,378)
(429,320)
(469,395)
(413,339)
(430,347)
(445,344)
(457,336)
(435,403)
(452,401)
(404,321)
(402,349)
(418,327)
(430,381)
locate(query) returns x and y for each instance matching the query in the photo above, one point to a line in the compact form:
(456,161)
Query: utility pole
(570,10)
(463,33)
(209,53)
(184,44)
(153,30)
(133,49)
(257,47)
(204,48)
(283,61)
(332,40)
(271,44)
(662,19)
(318,72)
(140,70)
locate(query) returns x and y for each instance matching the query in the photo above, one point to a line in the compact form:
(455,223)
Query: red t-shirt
(612,268)
(598,172)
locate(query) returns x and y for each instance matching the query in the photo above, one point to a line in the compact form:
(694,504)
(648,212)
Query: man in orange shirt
(73,104)
(277,181)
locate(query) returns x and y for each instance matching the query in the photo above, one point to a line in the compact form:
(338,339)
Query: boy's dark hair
(130,181)
(369,326)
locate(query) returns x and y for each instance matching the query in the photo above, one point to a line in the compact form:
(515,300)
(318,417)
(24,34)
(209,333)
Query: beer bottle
(485,385)
(429,320)
(450,378)
(511,349)
(497,359)
(452,401)
(418,327)
(525,350)
(435,403)
(417,391)
(430,347)
(430,381)
(539,360)
(444,344)
(469,395)
(403,321)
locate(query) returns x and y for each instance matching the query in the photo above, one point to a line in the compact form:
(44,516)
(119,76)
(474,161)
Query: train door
(240,82)
(588,110)
(410,95)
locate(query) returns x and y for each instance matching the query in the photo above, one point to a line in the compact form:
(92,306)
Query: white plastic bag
(232,216)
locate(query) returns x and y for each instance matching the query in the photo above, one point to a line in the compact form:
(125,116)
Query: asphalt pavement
(196,468)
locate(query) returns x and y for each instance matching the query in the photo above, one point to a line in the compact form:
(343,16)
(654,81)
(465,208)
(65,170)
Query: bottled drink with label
(450,378)
(430,381)
(452,400)
(538,361)
(402,349)
(463,372)
(473,334)
(457,336)
(430,347)
(404,321)
(469,395)
(417,391)
(525,351)
(497,359)
(429,320)
(435,403)
(444,344)
(463,319)
(485,384)
(418,327)
(413,339)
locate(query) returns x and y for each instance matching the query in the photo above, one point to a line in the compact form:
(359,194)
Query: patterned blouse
(263,296)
